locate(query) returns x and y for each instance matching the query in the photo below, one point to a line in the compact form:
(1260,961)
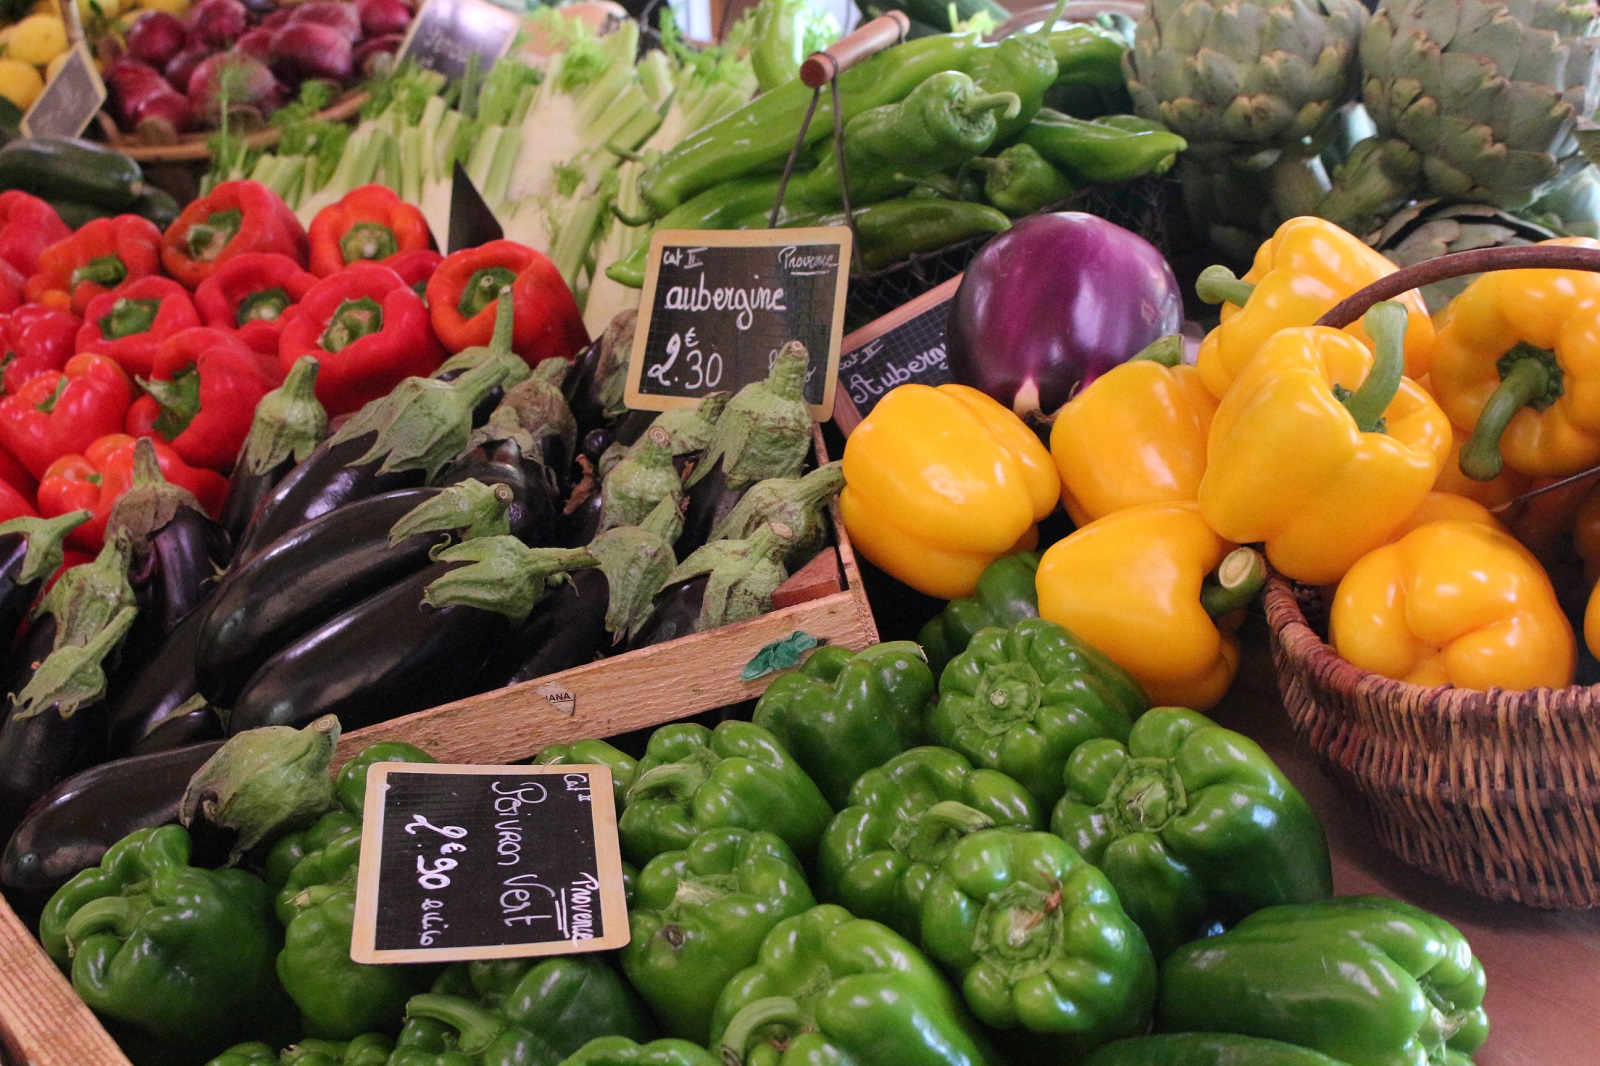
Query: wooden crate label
(560,697)
(482,862)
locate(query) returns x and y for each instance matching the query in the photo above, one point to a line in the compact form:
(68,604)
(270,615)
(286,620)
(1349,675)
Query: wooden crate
(44,1023)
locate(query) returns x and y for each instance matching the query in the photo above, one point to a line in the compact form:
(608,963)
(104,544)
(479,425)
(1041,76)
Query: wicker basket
(1496,791)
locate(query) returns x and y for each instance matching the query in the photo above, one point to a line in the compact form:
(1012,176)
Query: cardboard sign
(70,100)
(487,862)
(446,34)
(717,306)
(905,345)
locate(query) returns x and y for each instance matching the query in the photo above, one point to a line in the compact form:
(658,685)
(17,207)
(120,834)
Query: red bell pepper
(103,254)
(130,323)
(370,223)
(64,411)
(367,329)
(12,284)
(250,293)
(28,226)
(96,479)
(35,340)
(416,267)
(201,396)
(234,218)
(14,504)
(16,476)
(461,301)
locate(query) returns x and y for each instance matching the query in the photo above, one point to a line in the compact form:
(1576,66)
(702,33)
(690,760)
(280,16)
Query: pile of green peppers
(1006,860)
(944,138)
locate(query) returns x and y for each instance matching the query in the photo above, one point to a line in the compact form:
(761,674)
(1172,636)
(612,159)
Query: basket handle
(1456,264)
(864,41)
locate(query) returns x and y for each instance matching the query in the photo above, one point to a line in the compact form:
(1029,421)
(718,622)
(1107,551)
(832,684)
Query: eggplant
(535,500)
(70,827)
(420,642)
(798,502)
(597,377)
(594,444)
(30,551)
(723,582)
(160,706)
(677,609)
(689,430)
(324,567)
(289,422)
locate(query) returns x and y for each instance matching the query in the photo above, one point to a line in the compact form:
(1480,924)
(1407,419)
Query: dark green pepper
(1205,1049)
(1020,700)
(623,766)
(1098,152)
(179,959)
(620,1051)
(727,205)
(1040,943)
(699,916)
(879,853)
(844,712)
(829,987)
(350,784)
(1193,824)
(893,231)
(1020,181)
(1025,64)
(1005,595)
(369,1049)
(693,778)
(943,122)
(1367,980)
(338,829)
(558,1005)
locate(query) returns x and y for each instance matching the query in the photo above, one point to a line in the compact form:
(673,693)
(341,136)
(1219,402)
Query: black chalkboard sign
(719,304)
(446,34)
(476,862)
(905,345)
(71,99)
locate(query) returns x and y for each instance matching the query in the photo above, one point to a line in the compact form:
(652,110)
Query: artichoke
(1431,228)
(1475,100)
(1254,86)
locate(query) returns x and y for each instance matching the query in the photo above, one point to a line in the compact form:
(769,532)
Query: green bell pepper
(178,958)
(1005,595)
(620,1051)
(623,766)
(1020,700)
(693,778)
(829,987)
(1368,980)
(369,1049)
(558,1005)
(338,829)
(844,712)
(350,784)
(1193,824)
(879,853)
(1040,942)
(1205,1049)
(699,916)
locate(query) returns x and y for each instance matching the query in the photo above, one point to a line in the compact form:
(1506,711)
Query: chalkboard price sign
(905,345)
(481,862)
(446,34)
(719,304)
(69,101)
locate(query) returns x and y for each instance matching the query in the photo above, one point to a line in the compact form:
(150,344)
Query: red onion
(370,55)
(181,67)
(260,42)
(155,37)
(254,87)
(312,50)
(333,13)
(381,17)
(218,22)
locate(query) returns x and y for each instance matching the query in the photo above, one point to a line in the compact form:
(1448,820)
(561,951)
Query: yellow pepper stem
(1529,377)
(1168,351)
(1217,284)
(1235,583)
(1386,325)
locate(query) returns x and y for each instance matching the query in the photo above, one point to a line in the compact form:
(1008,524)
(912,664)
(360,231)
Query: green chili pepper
(1020,181)
(728,205)
(1090,56)
(892,231)
(942,123)
(1024,64)
(1100,152)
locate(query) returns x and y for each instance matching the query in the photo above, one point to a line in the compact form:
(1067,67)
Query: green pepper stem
(1009,104)
(1386,325)
(367,240)
(106,270)
(1235,583)
(1528,378)
(1051,19)
(476,1026)
(128,317)
(1168,351)
(1217,284)
(108,914)
(957,816)
(752,1017)
(678,780)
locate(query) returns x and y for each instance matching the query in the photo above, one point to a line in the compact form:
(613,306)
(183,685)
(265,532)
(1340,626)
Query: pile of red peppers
(118,331)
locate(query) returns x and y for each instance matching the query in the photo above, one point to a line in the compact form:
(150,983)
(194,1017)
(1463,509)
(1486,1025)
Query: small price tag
(717,306)
(487,862)
(69,102)
(905,345)
(560,697)
(446,34)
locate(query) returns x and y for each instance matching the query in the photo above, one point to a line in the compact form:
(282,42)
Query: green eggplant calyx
(929,836)
(45,537)
(422,423)
(502,575)
(483,288)
(206,240)
(1008,693)
(267,305)
(289,421)
(676,781)
(470,505)
(765,429)
(367,240)
(352,320)
(499,352)
(1146,795)
(150,502)
(108,271)
(128,317)
(1022,927)
(73,675)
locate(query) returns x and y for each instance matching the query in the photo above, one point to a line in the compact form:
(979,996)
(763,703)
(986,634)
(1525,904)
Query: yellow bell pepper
(1315,456)
(1517,360)
(1454,603)
(1586,535)
(1498,491)
(1135,585)
(1299,273)
(1136,435)
(940,482)
(1436,506)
